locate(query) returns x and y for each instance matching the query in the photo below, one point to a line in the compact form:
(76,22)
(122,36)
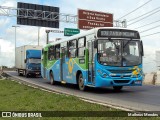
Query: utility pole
(54,31)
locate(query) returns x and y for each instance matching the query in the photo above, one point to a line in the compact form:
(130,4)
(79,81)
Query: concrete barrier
(149,78)
(157,82)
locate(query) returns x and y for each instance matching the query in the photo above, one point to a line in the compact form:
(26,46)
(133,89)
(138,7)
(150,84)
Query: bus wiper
(126,43)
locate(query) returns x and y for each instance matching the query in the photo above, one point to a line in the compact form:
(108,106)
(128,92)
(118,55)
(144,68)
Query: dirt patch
(3,76)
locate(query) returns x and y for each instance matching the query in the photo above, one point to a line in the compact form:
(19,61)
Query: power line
(148,62)
(150,34)
(143,14)
(136,9)
(147,24)
(151,61)
(144,17)
(149,29)
(150,54)
(30,42)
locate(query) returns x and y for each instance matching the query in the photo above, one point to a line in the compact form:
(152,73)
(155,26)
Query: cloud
(29,34)
(8,3)
(6,46)
(149,60)
(4,22)
(7,53)
(24,34)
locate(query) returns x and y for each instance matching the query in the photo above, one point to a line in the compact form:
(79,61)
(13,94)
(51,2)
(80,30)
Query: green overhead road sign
(70,31)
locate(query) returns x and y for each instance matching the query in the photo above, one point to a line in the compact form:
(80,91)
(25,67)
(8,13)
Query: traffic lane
(132,95)
(145,97)
(147,94)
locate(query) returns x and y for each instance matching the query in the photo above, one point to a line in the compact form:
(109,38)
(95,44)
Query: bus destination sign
(118,33)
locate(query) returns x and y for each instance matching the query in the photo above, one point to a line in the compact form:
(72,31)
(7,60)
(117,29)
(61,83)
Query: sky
(28,35)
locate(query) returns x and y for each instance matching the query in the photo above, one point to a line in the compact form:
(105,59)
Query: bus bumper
(106,82)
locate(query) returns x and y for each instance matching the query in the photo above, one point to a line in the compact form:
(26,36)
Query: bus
(100,57)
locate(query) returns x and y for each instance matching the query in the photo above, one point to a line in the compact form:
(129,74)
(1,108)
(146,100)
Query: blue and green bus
(101,57)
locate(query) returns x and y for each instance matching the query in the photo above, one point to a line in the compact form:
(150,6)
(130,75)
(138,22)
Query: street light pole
(15,40)
(38,34)
(47,31)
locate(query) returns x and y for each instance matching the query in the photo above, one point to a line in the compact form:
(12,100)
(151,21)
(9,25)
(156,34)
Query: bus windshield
(119,52)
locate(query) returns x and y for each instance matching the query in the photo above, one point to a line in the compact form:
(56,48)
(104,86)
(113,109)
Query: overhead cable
(147,24)
(149,29)
(136,9)
(144,17)
(150,34)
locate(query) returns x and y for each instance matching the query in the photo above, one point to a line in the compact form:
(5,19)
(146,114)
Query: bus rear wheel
(81,85)
(52,79)
(117,88)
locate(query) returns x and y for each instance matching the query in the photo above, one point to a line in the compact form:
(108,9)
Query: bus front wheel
(81,82)
(52,79)
(117,88)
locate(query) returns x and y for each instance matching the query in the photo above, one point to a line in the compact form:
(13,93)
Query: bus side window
(64,49)
(81,47)
(51,53)
(57,49)
(72,52)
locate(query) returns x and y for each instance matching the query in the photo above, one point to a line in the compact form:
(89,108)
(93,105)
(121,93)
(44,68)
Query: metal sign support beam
(46,15)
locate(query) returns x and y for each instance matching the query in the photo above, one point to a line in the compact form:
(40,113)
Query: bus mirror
(142,52)
(69,43)
(42,51)
(25,60)
(95,43)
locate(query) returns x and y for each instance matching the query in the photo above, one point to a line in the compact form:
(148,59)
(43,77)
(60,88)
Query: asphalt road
(142,98)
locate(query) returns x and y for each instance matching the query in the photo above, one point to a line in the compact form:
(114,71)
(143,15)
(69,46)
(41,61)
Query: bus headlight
(99,71)
(102,74)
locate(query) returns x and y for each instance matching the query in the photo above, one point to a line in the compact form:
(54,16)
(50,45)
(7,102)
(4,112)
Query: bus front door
(62,64)
(90,62)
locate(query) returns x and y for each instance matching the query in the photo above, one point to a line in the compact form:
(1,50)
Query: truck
(28,60)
